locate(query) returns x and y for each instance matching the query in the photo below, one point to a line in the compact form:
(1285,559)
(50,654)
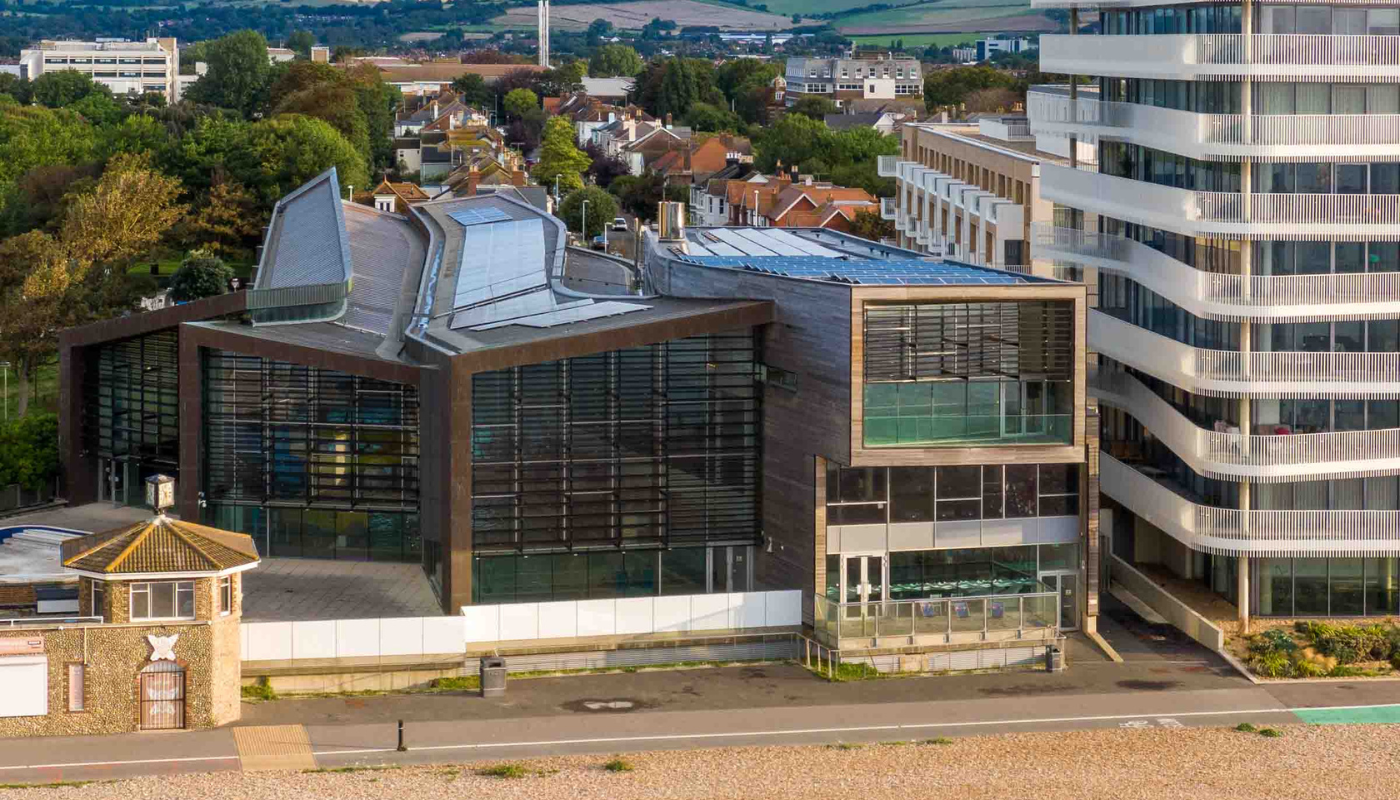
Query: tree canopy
(473,90)
(614,60)
(950,87)
(200,275)
(559,156)
(239,74)
(601,210)
(519,102)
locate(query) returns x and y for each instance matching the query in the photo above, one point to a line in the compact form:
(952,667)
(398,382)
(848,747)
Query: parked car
(619,223)
(599,243)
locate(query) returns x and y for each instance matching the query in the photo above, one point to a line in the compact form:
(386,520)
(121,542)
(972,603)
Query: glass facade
(311,462)
(645,448)
(958,374)
(131,407)
(1327,587)
(606,574)
(882,495)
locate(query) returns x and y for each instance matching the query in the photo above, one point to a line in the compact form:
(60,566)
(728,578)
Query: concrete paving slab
(295,589)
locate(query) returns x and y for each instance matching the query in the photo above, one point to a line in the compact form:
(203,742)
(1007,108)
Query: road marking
(120,763)
(793,732)
(273,747)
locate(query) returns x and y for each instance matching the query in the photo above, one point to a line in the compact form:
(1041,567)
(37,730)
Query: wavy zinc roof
(160,545)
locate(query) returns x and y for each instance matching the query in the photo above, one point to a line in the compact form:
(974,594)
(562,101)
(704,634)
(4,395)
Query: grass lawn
(46,383)
(920,39)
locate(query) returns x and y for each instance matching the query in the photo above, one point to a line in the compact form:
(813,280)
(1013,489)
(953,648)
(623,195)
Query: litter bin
(1054,660)
(493,676)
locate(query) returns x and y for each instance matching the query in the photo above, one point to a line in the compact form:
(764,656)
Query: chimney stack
(473,178)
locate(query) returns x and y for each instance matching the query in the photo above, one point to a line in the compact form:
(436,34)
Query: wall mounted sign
(22,647)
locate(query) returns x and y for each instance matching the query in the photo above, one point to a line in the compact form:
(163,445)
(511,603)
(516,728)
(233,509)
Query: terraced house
(1242,222)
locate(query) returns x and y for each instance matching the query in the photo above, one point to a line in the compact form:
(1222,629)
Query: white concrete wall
(424,636)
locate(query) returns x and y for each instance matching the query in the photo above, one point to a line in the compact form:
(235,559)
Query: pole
(556,187)
(583,225)
(401,748)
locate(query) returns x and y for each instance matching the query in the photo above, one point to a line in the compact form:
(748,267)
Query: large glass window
(131,407)
(322,463)
(162,600)
(643,447)
(962,373)
(1337,587)
(966,572)
(950,494)
(546,577)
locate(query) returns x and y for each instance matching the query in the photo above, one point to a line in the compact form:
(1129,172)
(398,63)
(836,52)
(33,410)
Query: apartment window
(77,688)
(781,378)
(162,600)
(99,599)
(226,595)
(879,495)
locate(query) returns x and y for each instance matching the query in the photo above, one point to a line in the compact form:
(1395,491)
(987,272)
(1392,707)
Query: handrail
(1258,458)
(1229,531)
(1222,55)
(1227,373)
(945,617)
(48,622)
(1214,295)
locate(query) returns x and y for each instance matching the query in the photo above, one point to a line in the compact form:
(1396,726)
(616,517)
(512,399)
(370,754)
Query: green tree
(614,60)
(98,109)
(950,87)
(29,451)
(473,90)
(559,156)
(815,107)
(31,136)
(733,76)
(138,133)
(302,75)
(336,105)
(63,87)
(301,42)
(293,149)
(869,225)
(792,140)
(239,75)
(518,102)
(227,220)
(601,210)
(707,118)
(200,275)
(15,87)
(678,89)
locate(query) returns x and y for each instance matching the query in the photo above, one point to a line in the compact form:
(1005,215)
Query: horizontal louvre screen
(969,341)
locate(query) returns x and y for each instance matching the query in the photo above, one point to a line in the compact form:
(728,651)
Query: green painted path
(1349,715)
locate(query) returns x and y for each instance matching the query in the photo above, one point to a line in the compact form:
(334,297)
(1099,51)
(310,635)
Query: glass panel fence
(961,615)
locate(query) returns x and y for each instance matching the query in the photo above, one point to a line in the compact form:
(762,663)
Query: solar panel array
(868,272)
(478,216)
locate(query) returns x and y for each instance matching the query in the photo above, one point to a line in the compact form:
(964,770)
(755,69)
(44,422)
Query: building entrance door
(162,697)
(862,584)
(1066,585)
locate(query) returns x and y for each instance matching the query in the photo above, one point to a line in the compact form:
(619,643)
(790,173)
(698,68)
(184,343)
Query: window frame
(225,595)
(147,589)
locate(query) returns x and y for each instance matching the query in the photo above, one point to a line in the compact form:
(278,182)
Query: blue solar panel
(478,216)
(894,271)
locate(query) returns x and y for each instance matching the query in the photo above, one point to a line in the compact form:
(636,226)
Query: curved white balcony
(886,166)
(1260,459)
(1273,137)
(888,207)
(1227,373)
(1228,531)
(1212,295)
(1347,217)
(1217,56)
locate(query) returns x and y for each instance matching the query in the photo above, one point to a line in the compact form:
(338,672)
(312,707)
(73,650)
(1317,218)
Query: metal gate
(162,697)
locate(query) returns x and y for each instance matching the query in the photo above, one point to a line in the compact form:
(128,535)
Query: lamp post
(583,225)
(556,186)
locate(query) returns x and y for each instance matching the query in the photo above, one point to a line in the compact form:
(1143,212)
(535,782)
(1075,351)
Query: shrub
(262,690)
(939,740)
(618,765)
(1272,641)
(1245,727)
(1270,733)
(1310,664)
(503,771)
(1272,665)
(200,275)
(1395,661)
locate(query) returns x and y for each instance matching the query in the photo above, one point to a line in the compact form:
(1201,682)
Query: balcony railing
(1312,137)
(887,166)
(1224,373)
(888,207)
(938,619)
(1276,216)
(1229,531)
(1258,458)
(1257,298)
(1222,55)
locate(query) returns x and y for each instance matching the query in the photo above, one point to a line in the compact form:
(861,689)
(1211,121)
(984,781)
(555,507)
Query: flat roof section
(826,256)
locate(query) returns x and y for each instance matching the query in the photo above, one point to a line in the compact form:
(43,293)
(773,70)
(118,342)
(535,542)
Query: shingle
(160,545)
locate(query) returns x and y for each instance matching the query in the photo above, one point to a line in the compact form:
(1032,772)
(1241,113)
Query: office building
(1242,224)
(747,408)
(124,67)
(842,80)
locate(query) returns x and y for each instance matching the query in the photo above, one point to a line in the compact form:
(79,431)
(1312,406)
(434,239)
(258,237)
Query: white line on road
(794,732)
(121,763)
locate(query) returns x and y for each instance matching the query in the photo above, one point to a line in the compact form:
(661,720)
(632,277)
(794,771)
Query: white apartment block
(971,192)
(123,67)
(1242,224)
(843,79)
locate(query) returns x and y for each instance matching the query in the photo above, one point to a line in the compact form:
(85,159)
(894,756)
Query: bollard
(401,747)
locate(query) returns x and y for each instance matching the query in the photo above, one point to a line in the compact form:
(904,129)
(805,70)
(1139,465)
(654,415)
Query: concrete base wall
(1175,611)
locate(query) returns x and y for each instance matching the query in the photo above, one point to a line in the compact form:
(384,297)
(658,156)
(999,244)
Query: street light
(583,225)
(556,187)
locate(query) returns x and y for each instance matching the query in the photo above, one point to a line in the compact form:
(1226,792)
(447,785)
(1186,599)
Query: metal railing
(888,207)
(1229,531)
(1259,458)
(1277,216)
(48,622)
(886,166)
(1261,298)
(946,617)
(1184,55)
(1226,373)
